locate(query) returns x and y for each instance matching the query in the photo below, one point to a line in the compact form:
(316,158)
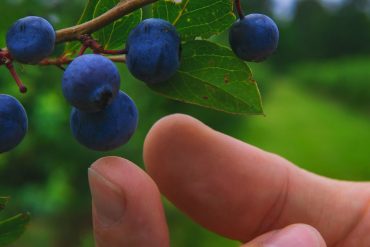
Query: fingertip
(170,131)
(170,125)
(301,235)
(242,188)
(175,120)
(109,165)
(102,163)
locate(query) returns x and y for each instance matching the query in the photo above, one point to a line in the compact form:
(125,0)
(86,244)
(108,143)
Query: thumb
(127,209)
(291,236)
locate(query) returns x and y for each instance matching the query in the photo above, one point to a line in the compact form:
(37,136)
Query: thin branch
(114,52)
(82,50)
(64,60)
(89,42)
(124,7)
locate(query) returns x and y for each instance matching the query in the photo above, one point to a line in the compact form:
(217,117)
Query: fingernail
(108,200)
(293,236)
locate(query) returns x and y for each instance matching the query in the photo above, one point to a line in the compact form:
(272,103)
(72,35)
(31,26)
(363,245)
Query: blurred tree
(257,6)
(318,33)
(347,32)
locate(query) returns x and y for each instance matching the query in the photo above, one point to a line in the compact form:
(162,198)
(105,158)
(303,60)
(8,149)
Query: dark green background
(316,92)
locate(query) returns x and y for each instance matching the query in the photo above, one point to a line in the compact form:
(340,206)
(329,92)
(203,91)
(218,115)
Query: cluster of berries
(103,117)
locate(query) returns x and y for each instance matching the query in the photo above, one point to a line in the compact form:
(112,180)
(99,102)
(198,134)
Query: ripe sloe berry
(254,37)
(107,129)
(13,122)
(153,49)
(30,39)
(91,82)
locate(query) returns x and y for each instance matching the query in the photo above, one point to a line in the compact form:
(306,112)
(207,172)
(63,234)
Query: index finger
(240,191)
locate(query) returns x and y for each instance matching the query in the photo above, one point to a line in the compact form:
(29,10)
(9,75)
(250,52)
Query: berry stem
(82,50)
(239,9)
(7,60)
(14,74)
(89,42)
(114,52)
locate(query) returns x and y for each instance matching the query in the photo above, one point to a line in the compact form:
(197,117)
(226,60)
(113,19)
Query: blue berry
(30,39)
(153,49)
(13,122)
(91,82)
(107,129)
(254,38)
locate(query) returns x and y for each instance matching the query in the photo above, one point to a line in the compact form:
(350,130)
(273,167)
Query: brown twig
(122,8)
(65,60)
(89,42)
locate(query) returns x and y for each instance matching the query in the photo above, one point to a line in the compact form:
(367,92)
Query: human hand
(227,186)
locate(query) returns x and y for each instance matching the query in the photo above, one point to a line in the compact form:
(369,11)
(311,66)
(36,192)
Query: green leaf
(72,47)
(112,36)
(3,202)
(115,35)
(196,18)
(88,11)
(11,229)
(211,76)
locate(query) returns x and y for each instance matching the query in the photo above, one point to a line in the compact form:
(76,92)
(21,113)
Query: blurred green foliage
(345,80)
(316,91)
